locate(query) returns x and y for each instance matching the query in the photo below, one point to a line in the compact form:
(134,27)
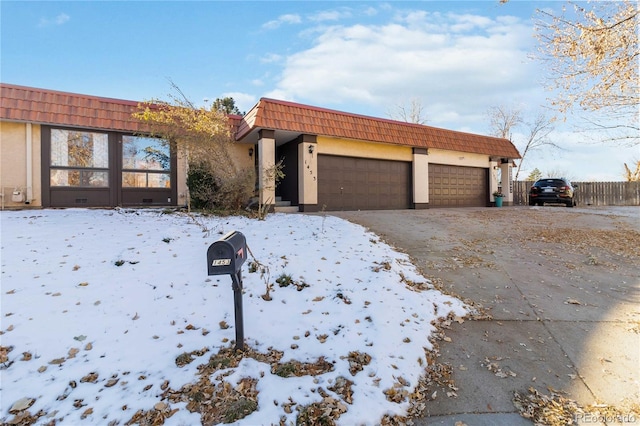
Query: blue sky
(456,58)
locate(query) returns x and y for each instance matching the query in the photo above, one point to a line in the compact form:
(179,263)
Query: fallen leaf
(111,382)
(87,413)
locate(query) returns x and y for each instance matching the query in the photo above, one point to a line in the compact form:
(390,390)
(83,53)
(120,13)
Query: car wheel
(532,203)
(570,203)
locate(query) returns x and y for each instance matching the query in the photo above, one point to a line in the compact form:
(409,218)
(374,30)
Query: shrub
(212,191)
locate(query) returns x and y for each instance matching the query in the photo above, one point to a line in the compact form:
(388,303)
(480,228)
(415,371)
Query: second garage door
(455,186)
(349,183)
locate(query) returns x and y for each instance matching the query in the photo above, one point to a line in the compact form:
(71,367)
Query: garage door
(349,183)
(455,186)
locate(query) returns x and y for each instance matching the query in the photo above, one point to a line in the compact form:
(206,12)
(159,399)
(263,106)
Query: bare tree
(559,173)
(537,138)
(412,113)
(503,120)
(592,56)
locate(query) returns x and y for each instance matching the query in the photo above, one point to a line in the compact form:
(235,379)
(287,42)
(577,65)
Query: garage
(456,186)
(350,183)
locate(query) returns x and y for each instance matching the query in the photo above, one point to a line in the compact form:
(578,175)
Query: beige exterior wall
(181,177)
(454,158)
(362,149)
(493,179)
(506,183)
(307,174)
(266,180)
(13,164)
(420,171)
(241,156)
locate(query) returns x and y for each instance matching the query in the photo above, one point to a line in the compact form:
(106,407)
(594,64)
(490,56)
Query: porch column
(506,169)
(420,178)
(493,179)
(266,164)
(307,173)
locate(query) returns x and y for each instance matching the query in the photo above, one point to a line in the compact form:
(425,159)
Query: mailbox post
(225,257)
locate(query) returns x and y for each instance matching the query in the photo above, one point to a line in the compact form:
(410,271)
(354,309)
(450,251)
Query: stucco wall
(352,148)
(454,158)
(13,164)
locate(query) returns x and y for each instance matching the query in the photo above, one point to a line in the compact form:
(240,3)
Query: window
(146,163)
(79,159)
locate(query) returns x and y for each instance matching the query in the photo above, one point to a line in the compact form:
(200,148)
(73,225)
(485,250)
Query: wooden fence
(590,193)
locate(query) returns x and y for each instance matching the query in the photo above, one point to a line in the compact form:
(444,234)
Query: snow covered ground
(97,306)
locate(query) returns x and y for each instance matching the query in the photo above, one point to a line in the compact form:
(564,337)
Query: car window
(550,182)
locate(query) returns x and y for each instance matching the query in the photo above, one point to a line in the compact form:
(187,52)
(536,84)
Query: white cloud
(282,19)
(61,19)
(370,11)
(459,65)
(330,15)
(270,57)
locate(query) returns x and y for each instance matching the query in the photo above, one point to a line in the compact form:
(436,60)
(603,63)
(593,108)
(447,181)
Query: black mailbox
(226,256)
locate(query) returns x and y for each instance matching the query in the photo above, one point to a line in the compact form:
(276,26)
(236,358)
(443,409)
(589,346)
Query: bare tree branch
(412,113)
(592,58)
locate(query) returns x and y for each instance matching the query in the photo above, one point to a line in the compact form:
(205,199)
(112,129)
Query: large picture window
(146,163)
(79,159)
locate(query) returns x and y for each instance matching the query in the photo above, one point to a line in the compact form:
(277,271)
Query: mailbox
(226,256)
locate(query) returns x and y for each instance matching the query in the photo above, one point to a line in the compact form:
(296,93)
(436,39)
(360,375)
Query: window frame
(147,172)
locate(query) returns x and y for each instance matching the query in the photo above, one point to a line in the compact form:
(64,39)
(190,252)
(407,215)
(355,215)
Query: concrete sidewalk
(561,286)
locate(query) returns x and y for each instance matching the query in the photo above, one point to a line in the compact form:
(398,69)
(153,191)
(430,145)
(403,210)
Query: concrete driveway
(561,290)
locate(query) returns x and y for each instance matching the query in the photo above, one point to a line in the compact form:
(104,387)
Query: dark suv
(552,190)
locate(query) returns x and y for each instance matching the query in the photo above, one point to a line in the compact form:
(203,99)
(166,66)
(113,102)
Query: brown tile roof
(281,115)
(28,104)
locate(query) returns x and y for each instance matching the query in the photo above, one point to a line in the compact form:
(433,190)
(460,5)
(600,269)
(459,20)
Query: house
(70,150)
